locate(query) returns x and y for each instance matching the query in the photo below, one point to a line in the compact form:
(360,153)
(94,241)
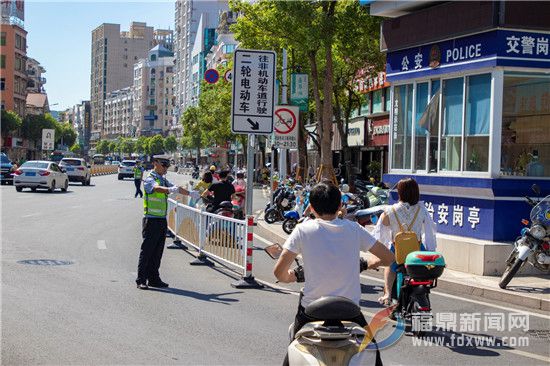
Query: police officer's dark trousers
(137,182)
(154,235)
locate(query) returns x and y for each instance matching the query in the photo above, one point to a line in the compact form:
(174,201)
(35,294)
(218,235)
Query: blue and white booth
(470,121)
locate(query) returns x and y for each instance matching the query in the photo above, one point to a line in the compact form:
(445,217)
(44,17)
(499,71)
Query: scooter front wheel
(289,225)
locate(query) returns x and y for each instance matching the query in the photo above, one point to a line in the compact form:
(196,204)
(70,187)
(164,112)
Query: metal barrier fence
(217,237)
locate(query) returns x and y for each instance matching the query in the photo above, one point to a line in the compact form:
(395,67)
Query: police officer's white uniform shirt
(330,254)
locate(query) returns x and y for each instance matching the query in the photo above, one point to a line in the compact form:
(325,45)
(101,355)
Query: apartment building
(35,79)
(118,114)
(221,52)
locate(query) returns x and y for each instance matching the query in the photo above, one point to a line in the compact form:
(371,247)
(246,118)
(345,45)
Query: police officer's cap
(161,157)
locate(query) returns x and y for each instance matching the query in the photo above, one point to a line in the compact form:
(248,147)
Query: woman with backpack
(406,220)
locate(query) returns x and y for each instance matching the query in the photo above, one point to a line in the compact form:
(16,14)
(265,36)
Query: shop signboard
(378,131)
(356,133)
(489,49)
(299,91)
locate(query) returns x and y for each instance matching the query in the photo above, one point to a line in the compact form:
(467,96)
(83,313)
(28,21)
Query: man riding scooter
(330,250)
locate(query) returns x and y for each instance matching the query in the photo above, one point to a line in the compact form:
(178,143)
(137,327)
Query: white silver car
(126,169)
(77,170)
(40,174)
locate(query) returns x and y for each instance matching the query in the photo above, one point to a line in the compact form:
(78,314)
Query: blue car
(6,169)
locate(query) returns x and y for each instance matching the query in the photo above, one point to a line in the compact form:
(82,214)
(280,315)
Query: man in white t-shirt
(330,252)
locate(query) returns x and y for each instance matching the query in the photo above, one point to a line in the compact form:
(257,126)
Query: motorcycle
(370,215)
(329,340)
(292,218)
(417,273)
(533,245)
(283,201)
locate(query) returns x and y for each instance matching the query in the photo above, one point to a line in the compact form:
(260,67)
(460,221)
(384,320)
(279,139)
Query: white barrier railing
(224,239)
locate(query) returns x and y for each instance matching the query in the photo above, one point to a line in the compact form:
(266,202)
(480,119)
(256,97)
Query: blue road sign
(211,76)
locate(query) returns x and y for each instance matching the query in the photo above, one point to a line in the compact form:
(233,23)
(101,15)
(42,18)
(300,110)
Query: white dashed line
(31,215)
(101,244)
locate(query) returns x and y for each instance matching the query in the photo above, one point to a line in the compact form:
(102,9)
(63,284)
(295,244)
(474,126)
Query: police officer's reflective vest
(156,203)
(137,173)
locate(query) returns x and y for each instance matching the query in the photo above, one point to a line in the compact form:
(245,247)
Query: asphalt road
(68,296)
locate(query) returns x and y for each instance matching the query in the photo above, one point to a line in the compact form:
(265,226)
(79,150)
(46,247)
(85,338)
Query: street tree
(170,144)
(76,148)
(34,124)
(128,146)
(192,130)
(102,147)
(156,145)
(142,145)
(316,31)
(66,134)
(10,122)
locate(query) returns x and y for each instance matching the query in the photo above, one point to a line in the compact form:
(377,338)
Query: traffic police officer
(154,228)
(138,174)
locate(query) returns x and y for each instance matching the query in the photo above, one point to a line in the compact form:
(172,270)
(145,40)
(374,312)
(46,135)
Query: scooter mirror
(274,250)
(536,189)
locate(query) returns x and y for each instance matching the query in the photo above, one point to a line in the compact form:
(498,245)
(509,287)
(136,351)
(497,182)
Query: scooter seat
(332,308)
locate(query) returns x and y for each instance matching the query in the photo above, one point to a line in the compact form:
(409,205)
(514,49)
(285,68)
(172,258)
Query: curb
(452,287)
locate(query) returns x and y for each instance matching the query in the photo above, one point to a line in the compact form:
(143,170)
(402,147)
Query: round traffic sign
(285,121)
(228,76)
(211,76)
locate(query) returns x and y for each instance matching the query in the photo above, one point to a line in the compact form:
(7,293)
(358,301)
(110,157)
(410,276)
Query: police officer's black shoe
(142,286)
(157,283)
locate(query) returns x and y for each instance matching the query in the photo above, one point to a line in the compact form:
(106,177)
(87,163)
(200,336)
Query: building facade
(154,93)
(470,115)
(113,56)
(187,16)
(204,41)
(81,122)
(221,52)
(35,78)
(13,55)
(118,113)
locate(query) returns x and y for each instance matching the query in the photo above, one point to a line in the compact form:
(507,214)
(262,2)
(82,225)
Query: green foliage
(112,146)
(127,146)
(192,129)
(67,134)
(76,148)
(170,144)
(10,121)
(156,145)
(142,145)
(33,126)
(102,147)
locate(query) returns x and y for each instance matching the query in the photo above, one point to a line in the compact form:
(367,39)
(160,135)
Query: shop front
(470,121)
(375,154)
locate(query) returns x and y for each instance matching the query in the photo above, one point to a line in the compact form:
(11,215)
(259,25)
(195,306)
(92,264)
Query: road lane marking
(506,308)
(32,215)
(101,244)
(76,206)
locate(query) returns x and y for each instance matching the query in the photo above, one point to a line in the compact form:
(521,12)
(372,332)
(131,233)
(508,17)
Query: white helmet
(345,188)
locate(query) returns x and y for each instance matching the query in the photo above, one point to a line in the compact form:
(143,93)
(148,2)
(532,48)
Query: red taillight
(44,173)
(424,308)
(80,168)
(18,172)
(546,245)
(419,283)
(525,222)
(427,257)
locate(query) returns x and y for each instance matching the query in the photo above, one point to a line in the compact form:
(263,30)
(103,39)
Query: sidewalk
(527,291)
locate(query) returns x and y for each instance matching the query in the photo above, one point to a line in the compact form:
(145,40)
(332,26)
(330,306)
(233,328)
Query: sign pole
(250,173)
(284,100)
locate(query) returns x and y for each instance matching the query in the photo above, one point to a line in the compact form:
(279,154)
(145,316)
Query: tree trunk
(316,95)
(302,148)
(326,132)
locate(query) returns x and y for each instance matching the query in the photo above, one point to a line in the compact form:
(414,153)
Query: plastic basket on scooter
(422,265)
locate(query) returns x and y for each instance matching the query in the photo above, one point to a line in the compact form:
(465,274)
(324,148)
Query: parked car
(6,169)
(40,174)
(77,170)
(126,169)
(115,162)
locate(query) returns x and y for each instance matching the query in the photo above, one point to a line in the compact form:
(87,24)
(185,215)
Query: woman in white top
(406,210)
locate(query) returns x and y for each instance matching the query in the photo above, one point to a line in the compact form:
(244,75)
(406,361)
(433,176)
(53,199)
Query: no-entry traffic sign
(286,126)
(211,76)
(253,96)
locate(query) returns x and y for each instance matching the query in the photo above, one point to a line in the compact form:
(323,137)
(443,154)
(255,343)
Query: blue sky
(60,34)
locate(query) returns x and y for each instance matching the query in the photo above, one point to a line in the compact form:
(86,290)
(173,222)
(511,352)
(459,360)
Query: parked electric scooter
(329,340)
(283,201)
(533,245)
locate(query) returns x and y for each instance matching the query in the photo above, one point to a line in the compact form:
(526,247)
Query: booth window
(451,132)
(401,127)
(526,125)
(476,134)
(421,132)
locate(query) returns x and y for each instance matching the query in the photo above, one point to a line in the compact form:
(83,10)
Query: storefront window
(365,107)
(433,122)
(451,133)
(402,127)
(377,101)
(388,99)
(476,134)
(421,132)
(526,125)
